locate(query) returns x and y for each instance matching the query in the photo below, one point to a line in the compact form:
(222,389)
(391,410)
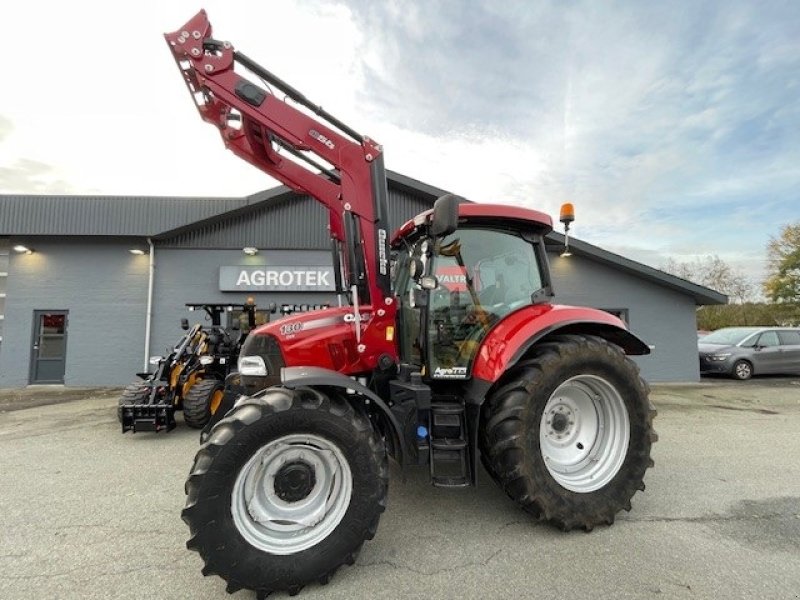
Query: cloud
(27,176)
(671,126)
(6,127)
(667,125)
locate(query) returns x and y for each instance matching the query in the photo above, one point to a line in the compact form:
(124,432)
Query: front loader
(447,349)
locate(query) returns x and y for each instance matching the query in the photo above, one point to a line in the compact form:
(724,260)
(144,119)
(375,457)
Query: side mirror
(185,324)
(445,215)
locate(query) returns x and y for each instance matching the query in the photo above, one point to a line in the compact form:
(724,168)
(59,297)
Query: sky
(673,127)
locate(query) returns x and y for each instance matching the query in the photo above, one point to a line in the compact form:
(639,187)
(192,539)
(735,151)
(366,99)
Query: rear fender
(293,377)
(515,335)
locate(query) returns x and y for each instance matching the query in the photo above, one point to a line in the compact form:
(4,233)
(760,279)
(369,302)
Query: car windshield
(729,336)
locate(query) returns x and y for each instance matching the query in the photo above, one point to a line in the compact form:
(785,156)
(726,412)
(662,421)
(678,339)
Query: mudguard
(508,341)
(293,377)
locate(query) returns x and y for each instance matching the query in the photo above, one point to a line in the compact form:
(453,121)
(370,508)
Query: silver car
(742,352)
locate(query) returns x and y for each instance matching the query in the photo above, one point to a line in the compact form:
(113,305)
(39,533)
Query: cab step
(449,460)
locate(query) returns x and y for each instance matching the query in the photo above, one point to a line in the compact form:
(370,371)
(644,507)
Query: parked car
(742,352)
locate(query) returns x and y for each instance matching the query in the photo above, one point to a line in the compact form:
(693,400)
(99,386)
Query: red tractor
(446,348)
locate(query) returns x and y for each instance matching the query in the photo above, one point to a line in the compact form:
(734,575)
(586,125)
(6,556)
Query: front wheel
(286,489)
(202,401)
(568,433)
(135,393)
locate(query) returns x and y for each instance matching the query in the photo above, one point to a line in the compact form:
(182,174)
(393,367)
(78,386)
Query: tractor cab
(452,288)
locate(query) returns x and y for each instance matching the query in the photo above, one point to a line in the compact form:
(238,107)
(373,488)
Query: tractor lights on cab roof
(23,249)
(250,250)
(567,216)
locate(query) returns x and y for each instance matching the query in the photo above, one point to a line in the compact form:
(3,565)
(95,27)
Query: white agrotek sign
(276,279)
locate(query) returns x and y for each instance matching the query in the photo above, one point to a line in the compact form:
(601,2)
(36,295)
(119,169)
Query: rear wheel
(201,401)
(568,433)
(135,393)
(742,370)
(286,489)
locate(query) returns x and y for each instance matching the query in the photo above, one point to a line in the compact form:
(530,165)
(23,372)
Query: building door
(49,348)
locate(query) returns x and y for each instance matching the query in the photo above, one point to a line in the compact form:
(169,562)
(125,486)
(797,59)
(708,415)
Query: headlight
(722,356)
(252,365)
(154,360)
(206,360)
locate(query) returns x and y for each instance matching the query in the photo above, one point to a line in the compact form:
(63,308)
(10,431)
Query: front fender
(509,340)
(293,377)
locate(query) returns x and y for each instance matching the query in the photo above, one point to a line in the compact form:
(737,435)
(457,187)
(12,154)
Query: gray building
(92,286)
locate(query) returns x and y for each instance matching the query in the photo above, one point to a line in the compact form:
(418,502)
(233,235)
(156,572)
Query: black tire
(233,444)
(201,402)
(134,393)
(742,370)
(511,442)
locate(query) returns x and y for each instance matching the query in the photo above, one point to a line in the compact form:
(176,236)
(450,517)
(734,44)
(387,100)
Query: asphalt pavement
(87,512)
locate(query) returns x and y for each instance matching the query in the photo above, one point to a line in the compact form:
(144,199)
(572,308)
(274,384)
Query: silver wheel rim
(278,527)
(584,433)
(743,370)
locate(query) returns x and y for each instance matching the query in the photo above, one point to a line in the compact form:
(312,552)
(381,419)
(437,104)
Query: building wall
(104,288)
(192,276)
(661,317)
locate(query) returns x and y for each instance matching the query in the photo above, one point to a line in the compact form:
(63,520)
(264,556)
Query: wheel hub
(294,481)
(584,433)
(560,422)
(292,493)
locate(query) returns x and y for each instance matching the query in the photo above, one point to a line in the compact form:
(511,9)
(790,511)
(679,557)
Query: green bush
(710,318)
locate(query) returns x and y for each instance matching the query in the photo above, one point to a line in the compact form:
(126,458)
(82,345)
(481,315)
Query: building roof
(175,217)
(701,294)
(144,216)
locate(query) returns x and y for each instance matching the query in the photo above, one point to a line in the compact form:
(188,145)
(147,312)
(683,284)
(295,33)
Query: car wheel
(742,370)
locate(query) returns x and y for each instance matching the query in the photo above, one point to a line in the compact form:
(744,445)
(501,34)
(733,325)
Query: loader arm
(285,142)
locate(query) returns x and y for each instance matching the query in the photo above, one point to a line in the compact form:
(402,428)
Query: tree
(715,273)
(783,257)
